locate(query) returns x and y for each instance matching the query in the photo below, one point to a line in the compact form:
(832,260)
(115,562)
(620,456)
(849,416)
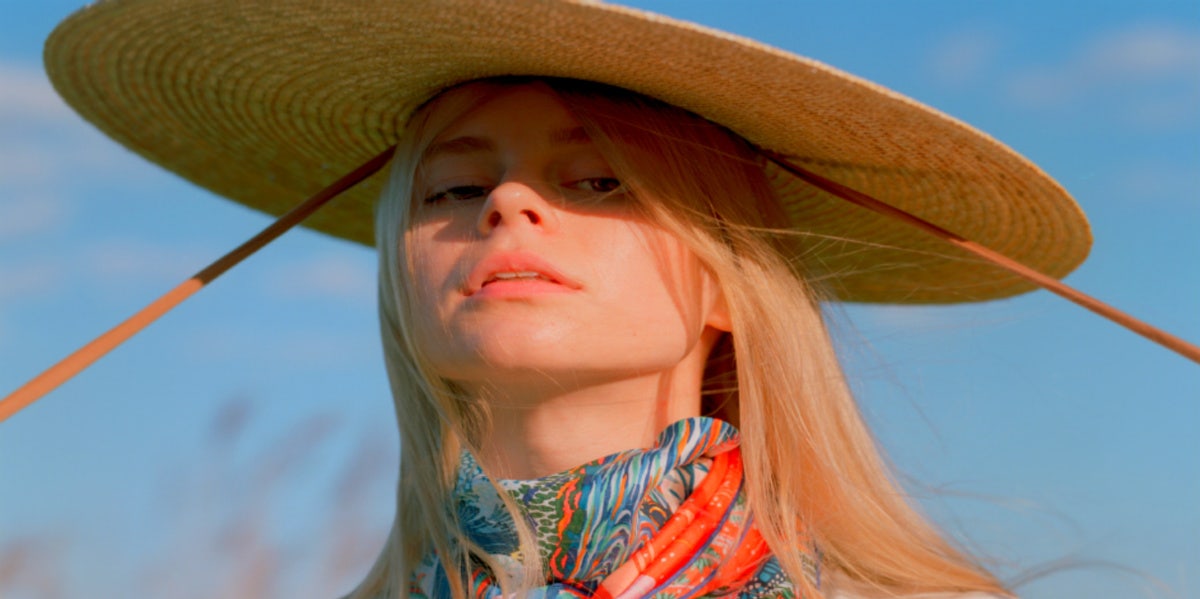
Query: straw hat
(267,101)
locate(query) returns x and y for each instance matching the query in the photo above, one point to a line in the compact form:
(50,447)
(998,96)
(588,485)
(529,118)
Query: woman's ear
(718,312)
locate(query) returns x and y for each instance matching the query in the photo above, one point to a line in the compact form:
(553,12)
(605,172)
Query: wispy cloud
(884,323)
(133,259)
(32,121)
(335,277)
(30,279)
(1152,69)
(32,213)
(964,56)
(26,94)
(104,265)
(1161,184)
(1146,50)
(303,347)
(43,142)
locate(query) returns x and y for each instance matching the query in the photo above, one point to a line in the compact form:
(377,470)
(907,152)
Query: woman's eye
(458,193)
(596,184)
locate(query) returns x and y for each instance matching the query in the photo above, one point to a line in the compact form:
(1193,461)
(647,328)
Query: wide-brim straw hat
(268,101)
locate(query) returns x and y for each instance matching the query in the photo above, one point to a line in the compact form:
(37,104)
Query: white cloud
(339,277)
(1144,50)
(891,320)
(25,214)
(897,322)
(30,279)
(1041,87)
(1151,70)
(26,94)
(304,348)
(24,162)
(107,266)
(43,142)
(963,56)
(132,259)
(1159,184)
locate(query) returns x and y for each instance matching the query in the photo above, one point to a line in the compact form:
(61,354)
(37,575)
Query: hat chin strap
(86,355)
(1171,342)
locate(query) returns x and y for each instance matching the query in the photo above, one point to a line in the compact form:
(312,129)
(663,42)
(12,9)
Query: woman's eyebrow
(467,144)
(458,145)
(569,136)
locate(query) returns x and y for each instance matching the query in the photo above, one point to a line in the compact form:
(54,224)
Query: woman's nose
(514,204)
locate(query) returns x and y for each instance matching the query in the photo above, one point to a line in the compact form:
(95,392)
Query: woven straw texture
(267,101)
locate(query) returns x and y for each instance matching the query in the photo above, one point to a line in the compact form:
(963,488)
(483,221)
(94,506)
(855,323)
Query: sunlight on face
(533,266)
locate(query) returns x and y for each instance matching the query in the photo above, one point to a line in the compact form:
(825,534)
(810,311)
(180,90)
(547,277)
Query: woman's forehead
(529,111)
(484,100)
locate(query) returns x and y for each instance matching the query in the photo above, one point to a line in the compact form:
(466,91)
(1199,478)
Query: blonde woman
(600,280)
(572,274)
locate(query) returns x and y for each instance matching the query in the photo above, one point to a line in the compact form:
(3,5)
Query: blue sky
(246,438)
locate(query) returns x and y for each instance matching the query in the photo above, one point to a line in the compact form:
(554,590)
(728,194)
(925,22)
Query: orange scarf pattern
(666,522)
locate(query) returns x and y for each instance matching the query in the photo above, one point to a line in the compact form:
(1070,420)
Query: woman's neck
(540,433)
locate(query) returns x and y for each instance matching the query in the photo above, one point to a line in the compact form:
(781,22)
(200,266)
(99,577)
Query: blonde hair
(813,474)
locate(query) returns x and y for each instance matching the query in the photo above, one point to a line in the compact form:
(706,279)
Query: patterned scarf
(669,521)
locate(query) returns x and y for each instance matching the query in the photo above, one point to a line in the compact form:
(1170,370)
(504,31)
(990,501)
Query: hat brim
(267,101)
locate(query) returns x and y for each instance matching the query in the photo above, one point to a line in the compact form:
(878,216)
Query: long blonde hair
(814,476)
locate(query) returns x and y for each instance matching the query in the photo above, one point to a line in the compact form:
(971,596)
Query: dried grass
(242,520)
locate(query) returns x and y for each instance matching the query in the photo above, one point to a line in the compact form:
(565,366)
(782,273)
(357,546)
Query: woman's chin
(551,369)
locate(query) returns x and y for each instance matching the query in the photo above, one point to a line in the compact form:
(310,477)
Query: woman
(725,230)
(567,270)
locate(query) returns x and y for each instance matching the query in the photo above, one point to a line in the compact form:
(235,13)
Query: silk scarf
(669,521)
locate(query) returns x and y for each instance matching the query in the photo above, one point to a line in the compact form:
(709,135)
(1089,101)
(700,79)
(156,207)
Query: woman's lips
(514,274)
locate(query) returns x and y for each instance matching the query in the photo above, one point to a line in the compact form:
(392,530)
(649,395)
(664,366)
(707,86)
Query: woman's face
(533,267)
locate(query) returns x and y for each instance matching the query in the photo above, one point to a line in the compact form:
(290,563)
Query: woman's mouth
(516,274)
